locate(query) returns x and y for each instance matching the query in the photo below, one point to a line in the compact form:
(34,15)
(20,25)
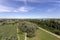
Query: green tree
(28,28)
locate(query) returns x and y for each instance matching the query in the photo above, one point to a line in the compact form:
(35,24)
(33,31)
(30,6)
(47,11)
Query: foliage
(49,24)
(29,28)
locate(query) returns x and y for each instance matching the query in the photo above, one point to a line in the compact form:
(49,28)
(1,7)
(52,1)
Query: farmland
(10,30)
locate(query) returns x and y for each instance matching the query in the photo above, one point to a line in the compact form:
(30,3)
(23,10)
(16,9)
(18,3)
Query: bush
(57,32)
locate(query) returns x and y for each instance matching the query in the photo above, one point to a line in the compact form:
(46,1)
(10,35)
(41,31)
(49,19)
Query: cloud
(51,10)
(56,1)
(56,4)
(5,9)
(25,9)
(38,1)
(26,1)
(19,9)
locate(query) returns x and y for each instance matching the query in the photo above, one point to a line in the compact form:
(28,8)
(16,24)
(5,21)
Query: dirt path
(18,34)
(49,32)
(25,36)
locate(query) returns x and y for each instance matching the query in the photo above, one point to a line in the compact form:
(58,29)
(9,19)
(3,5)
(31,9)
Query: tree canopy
(28,28)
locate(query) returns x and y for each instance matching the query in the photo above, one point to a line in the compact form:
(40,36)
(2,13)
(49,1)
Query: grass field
(42,35)
(8,31)
(22,36)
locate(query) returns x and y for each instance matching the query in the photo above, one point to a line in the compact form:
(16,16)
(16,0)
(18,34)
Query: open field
(9,30)
(42,35)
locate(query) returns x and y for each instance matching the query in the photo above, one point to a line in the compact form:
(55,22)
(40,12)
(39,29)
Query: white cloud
(25,9)
(51,10)
(15,10)
(38,1)
(20,9)
(56,1)
(5,9)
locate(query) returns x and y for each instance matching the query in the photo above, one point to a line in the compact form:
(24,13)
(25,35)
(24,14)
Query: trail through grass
(49,32)
(42,35)
(25,36)
(18,34)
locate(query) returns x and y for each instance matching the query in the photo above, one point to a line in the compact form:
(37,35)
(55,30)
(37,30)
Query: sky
(29,8)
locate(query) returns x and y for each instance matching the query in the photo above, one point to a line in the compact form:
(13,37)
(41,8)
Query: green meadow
(8,31)
(42,35)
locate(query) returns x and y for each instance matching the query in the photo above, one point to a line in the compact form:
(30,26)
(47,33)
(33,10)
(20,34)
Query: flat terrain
(42,35)
(8,31)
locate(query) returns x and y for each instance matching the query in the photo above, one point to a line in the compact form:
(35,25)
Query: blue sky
(29,8)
